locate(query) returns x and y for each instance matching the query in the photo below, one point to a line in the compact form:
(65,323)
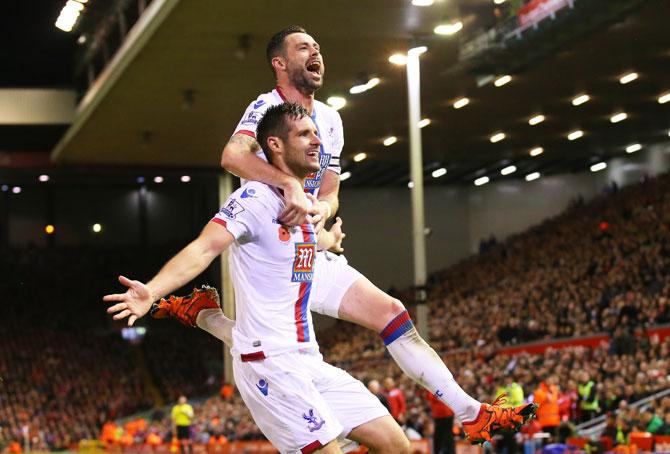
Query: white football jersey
(272,267)
(329,129)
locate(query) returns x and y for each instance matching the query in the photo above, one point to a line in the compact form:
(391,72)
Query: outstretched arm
(182,268)
(239,157)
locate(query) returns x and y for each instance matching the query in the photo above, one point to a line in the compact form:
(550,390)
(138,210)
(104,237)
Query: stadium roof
(174,95)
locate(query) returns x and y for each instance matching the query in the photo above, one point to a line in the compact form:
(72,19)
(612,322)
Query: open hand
(338,234)
(133,304)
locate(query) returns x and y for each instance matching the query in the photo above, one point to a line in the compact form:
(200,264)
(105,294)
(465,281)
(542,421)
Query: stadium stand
(605,287)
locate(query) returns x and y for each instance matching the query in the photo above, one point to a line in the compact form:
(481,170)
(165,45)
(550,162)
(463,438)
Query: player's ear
(278,64)
(274,144)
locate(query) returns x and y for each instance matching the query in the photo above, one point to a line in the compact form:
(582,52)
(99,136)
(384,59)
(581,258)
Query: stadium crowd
(601,266)
(222,419)
(64,367)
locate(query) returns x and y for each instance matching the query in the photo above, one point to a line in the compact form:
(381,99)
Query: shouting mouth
(314,68)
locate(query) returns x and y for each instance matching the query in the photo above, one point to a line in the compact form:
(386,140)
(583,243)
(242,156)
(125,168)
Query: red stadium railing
(538,347)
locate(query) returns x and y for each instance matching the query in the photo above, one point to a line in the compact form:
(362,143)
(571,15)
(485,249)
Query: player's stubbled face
(304,62)
(302,146)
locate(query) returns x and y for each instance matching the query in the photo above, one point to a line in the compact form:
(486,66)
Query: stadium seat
(607,443)
(662,443)
(578,442)
(643,440)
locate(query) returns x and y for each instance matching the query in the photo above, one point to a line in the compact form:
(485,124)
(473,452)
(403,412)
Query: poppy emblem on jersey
(303,264)
(313,422)
(313,180)
(284,234)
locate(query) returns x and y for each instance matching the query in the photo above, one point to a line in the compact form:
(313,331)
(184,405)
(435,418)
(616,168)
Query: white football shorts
(332,278)
(301,402)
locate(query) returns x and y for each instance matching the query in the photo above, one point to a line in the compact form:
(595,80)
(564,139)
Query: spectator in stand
(588,397)
(665,428)
(652,423)
(227,391)
(443,430)
(376,389)
(182,418)
(546,396)
(396,400)
(610,429)
(567,402)
(622,430)
(512,391)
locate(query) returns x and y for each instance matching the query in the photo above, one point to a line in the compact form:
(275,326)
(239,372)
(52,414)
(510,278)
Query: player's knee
(402,445)
(390,309)
(394,443)
(395,307)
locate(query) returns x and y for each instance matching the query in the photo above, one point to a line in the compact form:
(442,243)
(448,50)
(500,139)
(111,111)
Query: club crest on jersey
(313,422)
(303,264)
(313,180)
(232,209)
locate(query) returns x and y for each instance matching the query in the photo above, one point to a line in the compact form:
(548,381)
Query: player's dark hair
(276,45)
(276,123)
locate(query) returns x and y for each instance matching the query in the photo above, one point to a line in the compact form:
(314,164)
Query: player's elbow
(227,159)
(214,247)
(210,244)
(232,158)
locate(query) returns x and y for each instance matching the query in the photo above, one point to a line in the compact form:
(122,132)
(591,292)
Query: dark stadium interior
(557,284)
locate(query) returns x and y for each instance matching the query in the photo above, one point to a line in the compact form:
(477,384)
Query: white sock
(215,323)
(419,362)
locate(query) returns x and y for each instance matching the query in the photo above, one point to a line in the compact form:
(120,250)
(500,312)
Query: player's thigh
(332,278)
(351,402)
(331,448)
(382,435)
(365,304)
(285,404)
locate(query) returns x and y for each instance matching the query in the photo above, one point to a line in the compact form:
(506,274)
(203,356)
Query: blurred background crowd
(63,379)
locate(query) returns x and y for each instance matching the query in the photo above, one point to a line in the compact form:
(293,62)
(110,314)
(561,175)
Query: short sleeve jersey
(182,414)
(272,267)
(329,129)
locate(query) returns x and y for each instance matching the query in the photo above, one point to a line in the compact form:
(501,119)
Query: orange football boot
(186,308)
(494,419)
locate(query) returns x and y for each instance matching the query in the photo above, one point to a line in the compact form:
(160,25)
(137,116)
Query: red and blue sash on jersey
(303,272)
